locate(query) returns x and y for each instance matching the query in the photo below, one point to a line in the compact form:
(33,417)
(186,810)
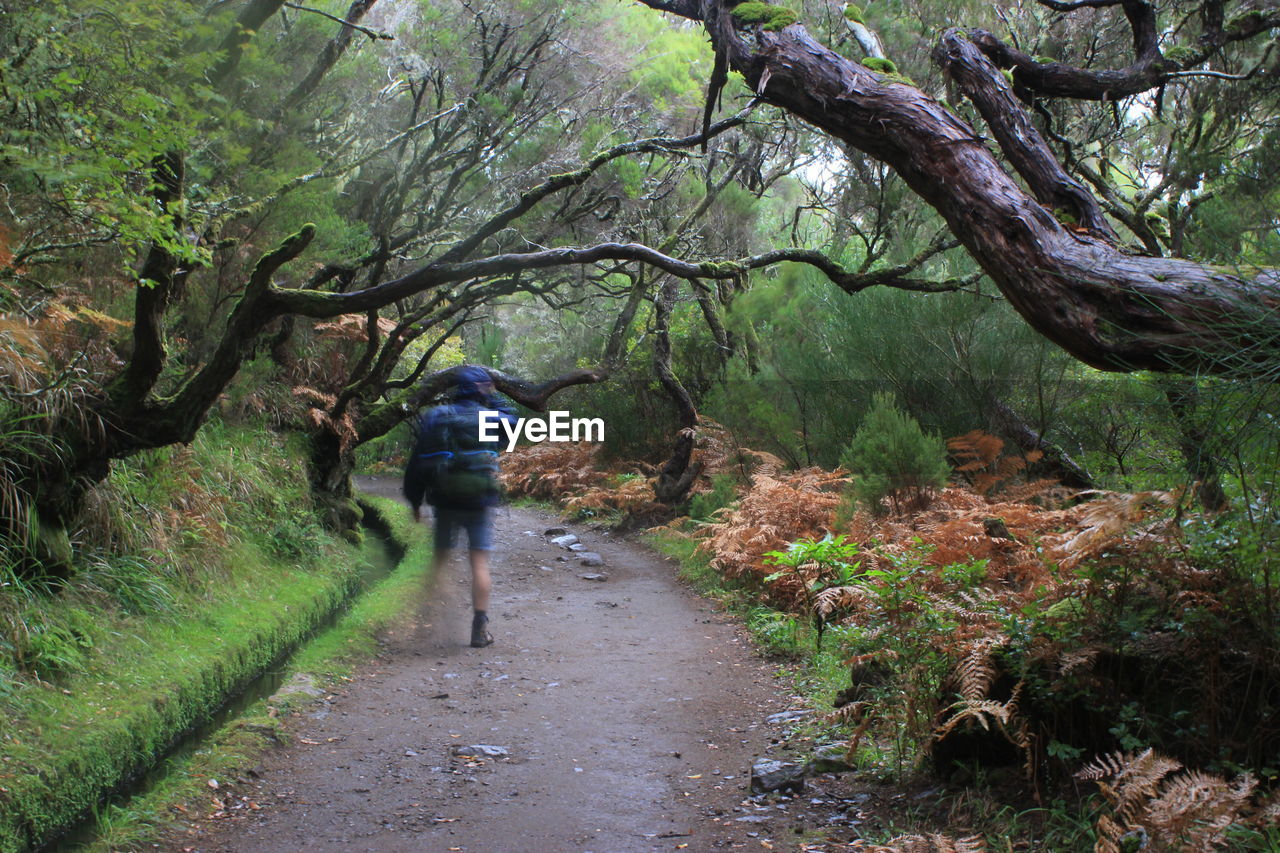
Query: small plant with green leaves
(892,458)
(724,491)
(906,629)
(815,566)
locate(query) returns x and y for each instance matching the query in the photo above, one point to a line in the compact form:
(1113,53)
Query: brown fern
(977,669)
(1107,519)
(981,461)
(932,843)
(1188,810)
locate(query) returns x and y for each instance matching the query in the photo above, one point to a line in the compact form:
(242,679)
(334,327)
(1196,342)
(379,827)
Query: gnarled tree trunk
(1108,308)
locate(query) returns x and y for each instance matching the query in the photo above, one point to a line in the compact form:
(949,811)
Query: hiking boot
(480,636)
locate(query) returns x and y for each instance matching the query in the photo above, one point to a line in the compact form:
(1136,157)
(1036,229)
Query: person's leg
(480,581)
(480,540)
(441,540)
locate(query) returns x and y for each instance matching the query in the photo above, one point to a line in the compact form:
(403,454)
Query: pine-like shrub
(891,457)
(724,491)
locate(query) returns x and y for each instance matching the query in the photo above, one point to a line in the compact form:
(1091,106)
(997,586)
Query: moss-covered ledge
(95,733)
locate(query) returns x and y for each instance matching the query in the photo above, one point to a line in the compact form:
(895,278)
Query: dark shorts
(477,522)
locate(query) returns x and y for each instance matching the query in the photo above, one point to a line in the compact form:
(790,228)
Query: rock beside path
(787,717)
(830,758)
(771,775)
(487,750)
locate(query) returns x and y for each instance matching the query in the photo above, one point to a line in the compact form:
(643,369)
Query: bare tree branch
(347,23)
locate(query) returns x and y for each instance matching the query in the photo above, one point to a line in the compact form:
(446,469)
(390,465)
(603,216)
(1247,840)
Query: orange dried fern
(1188,810)
(932,843)
(776,510)
(982,463)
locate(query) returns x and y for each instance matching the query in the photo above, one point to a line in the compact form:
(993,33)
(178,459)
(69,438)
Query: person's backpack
(450,466)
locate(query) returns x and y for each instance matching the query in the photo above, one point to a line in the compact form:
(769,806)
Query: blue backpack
(450,466)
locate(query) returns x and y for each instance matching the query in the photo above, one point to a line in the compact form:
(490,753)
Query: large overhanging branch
(317,304)
(1022,144)
(529,394)
(897,277)
(1150,69)
(1109,309)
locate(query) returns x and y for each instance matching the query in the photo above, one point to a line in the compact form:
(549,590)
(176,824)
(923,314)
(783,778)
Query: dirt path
(630,711)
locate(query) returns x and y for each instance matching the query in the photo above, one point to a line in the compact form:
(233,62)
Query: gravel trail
(625,714)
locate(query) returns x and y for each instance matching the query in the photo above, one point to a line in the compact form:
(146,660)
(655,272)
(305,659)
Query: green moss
(883,66)
(154,645)
(1065,216)
(1182,54)
(1008,75)
(118,718)
(853,12)
(898,78)
(1045,60)
(721,269)
(1243,23)
(183,670)
(770,17)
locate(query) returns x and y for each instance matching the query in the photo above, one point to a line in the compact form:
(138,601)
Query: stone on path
(594,577)
(487,750)
(829,758)
(554,531)
(590,559)
(770,775)
(564,541)
(787,717)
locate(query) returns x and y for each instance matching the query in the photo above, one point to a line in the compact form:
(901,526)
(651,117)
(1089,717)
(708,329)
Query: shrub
(724,491)
(892,457)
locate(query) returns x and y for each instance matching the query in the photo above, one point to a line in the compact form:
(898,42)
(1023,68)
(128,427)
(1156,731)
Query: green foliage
(670,64)
(54,648)
(724,491)
(777,633)
(891,457)
(818,565)
(90,118)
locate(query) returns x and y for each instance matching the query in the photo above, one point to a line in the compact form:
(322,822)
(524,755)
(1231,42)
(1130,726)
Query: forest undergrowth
(197,567)
(1109,659)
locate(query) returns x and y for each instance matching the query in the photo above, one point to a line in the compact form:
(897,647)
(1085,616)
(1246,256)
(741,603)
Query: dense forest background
(755,247)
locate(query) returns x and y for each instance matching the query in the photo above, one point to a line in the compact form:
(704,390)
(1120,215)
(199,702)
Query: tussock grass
(206,565)
(326,661)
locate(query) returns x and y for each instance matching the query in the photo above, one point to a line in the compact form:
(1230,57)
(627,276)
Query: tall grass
(155,541)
